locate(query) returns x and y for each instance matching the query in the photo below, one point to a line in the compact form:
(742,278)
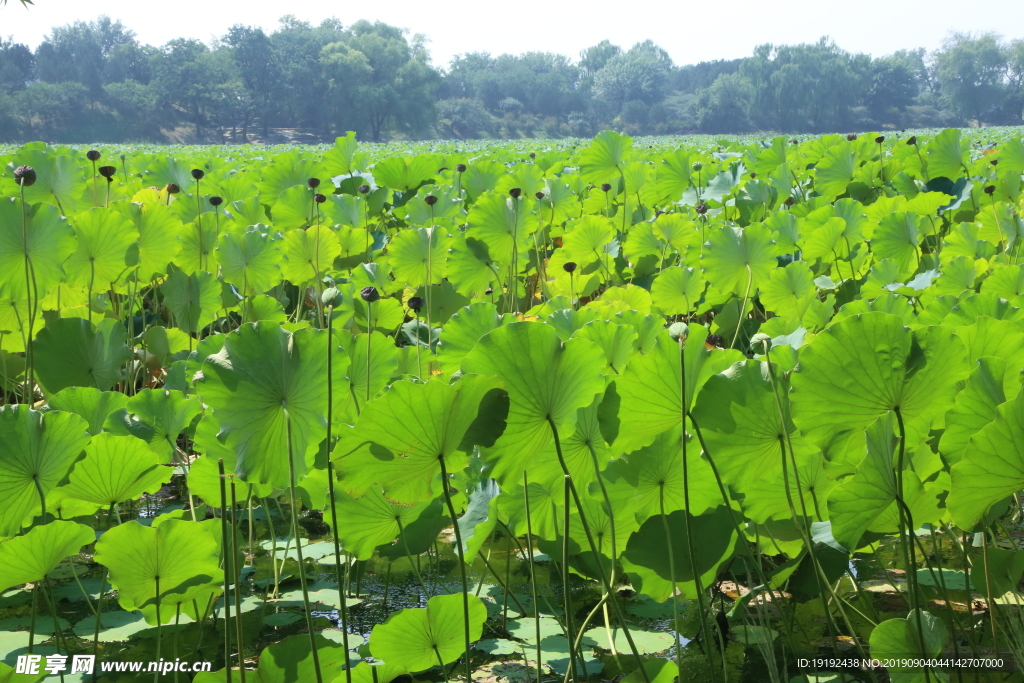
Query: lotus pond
(670,409)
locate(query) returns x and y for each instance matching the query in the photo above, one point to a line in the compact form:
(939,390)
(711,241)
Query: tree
(639,74)
(893,87)
(15,65)
(379,80)
(256,58)
(970,71)
(724,107)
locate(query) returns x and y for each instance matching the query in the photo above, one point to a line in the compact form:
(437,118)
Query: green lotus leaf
(606,156)
(1003,567)
(30,558)
(294,209)
(677,290)
(546,380)
(898,237)
(946,158)
(989,385)
(309,253)
(789,290)
(164,566)
(463,330)
(901,639)
(971,307)
(59,177)
(766,498)
(157,416)
(116,469)
(996,338)
(104,240)
(739,260)
(649,389)
(406,173)
(1006,282)
(857,502)
(835,170)
(743,426)
(35,449)
(416,639)
(992,466)
(649,480)
(204,473)
(267,390)
(586,239)
(867,365)
(616,340)
(400,438)
(370,520)
(354,380)
(249,261)
(414,253)
(480,517)
(159,229)
(198,240)
(91,403)
(193,299)
(646,559)
(74,352)
(503,224)
(32,256)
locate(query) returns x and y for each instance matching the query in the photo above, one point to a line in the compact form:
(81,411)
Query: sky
(690,31)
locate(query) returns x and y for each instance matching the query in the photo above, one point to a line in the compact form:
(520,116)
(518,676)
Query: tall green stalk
(571,489)
(462,564)
(298,547)
(342,593)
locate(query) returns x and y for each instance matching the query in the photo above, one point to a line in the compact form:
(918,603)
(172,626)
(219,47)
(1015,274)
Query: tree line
(95,82)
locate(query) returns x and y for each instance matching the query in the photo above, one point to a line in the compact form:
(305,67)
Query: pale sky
(690,31)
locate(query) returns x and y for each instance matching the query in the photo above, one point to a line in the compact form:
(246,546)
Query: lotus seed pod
(313,183)
(369,294)
(539,195)
(171,188)
(880,139)
(714,341)
(489,290)
(92,155)
(912,140)
(851,136)
(331,297)
(515,192)
(430,200)
(461,168)
(533,155)
(702,208)
(319,198)
(363,189)
(794,141)
(123,157)
(697,166)
(753,175)
(569,266)
(25,175)
(107,171)
(606,187)
(790,201)
(198,173)
(416,303)
(678,331)
(216,201)
(994,162)
(990,189)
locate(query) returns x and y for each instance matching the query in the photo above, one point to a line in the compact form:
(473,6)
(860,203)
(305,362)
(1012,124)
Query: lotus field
(516,411)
